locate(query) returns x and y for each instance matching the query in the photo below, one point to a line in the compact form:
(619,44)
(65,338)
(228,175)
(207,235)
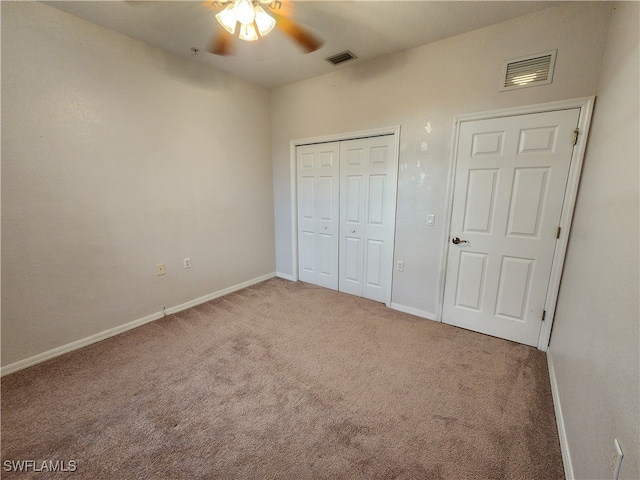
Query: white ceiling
(367,28)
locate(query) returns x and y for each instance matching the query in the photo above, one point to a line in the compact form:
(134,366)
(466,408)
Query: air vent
(341,57)
(529,71)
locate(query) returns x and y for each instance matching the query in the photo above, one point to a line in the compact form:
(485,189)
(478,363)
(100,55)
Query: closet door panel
(353,194)
(318,213)
(380,219)
(367,216)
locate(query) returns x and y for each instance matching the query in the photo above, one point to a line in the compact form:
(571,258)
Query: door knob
(353,231)
(325,227)
(456,241)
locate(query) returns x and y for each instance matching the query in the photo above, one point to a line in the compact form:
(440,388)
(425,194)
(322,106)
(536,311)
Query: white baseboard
(83,342)
(219,293)
(562,433)
(286,276)
(413,311)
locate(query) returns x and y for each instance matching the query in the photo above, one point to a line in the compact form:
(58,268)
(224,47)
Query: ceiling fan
(255,22)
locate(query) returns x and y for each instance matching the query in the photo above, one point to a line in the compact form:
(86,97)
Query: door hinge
(575,136)
(558,232)
(544,314)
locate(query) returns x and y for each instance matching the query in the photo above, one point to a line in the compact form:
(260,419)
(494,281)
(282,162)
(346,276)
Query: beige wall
(594,345)
(428,86)
(116,157)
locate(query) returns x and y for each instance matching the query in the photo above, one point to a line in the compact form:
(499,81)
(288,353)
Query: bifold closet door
(318,217)
(367,216)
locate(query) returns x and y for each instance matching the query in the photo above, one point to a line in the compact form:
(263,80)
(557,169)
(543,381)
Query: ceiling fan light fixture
(227,18)
(245,12)
(248,32)
(264,21)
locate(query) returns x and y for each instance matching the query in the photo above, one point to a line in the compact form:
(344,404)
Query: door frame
(293,175)
(585,105)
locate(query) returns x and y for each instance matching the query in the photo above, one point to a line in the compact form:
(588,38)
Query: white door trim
(586,108)
(293,175)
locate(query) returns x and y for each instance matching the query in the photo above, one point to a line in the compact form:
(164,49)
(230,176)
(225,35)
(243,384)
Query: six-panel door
(510,180)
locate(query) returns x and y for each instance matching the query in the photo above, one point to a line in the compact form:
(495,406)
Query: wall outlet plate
(187,263)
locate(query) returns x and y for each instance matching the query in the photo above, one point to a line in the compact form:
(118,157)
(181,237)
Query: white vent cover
(529,71)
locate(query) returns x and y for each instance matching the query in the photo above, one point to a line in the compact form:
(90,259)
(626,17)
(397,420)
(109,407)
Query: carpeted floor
(290,381)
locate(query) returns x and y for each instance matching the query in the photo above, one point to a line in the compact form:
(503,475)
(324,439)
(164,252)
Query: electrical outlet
(160,269)
(400,266)
(616,459)
(187,263)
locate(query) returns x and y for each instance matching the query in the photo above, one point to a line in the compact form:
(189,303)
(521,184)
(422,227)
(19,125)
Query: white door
(318,194)
(510,181)
(368,175)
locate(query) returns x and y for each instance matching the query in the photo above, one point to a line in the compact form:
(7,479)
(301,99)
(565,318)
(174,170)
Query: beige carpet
(291,381)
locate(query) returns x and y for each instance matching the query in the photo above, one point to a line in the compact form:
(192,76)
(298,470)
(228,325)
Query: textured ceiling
(367,28)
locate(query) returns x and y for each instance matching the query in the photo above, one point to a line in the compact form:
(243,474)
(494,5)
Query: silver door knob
(456,241)
(325,227)
(353,231)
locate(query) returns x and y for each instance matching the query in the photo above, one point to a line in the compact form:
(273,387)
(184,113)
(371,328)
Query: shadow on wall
(369,70)
(192,73)
(163,21)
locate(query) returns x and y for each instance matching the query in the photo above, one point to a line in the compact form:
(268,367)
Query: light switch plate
(431,220)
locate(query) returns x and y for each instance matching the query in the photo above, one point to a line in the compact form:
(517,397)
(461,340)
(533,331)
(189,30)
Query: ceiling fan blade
(301,35)
(221,44)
